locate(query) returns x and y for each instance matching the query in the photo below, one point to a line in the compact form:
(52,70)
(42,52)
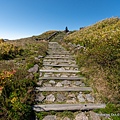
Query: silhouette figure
(66,29)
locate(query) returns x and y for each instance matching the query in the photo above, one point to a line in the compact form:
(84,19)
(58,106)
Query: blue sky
(23,18)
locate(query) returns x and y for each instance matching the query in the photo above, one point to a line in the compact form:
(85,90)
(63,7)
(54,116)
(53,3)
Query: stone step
(61,83)
(61,78)
(60,71)
(59,58)
(57,74)
(58,62)
(57,50)
(58,68)
(90,115)
(55,60)
(58,53)
(64,89)
(60,65)
(70,107)
(65,96)
(55,47)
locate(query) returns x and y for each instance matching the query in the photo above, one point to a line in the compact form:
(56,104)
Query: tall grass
(102,55)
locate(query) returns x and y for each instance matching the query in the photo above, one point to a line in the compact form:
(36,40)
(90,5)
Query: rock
(36,59)
(81,116)
(40,82)
(76,69)
(73,75)
(71,95)
(40,56)
(66,118)
(82,84)
(50,117)
(64,75)
(47,75)
(40,75)
(52,82)
(69,43)
(73,100)
(60,69)
(67,68)
(81,98)
(93,116)
(78,45)
(30,76)
(77,83)
(34,69)
(66,82)
(40,97)
(60,97)
(47,85)
(59,84)
(90,98)
(50,98)
(57,75)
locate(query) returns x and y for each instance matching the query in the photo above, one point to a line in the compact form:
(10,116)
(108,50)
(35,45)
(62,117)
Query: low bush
(8,51)
(16,89)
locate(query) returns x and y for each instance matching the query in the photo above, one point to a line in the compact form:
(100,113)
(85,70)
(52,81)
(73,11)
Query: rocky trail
(62,88)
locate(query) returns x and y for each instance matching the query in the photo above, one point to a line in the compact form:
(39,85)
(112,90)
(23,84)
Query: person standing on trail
(66,29)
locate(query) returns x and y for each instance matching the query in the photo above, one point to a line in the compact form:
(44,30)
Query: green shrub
(8,51)
(18,94)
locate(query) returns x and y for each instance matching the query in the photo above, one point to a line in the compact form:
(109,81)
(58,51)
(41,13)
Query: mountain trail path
(61,88)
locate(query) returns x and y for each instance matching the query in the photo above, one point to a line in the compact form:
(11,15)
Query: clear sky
(23,18)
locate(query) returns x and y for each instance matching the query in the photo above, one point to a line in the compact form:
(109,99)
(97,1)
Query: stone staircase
(60,86)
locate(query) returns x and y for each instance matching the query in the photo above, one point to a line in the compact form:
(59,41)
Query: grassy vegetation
(16,88)
(111,110)
(100,60)
(59,36)
(44,35)
(8,51)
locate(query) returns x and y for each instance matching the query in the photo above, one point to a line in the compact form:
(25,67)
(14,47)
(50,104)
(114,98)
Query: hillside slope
(16,82)
(100,60)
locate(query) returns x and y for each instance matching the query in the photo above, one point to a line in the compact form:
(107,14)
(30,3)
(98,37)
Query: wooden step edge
(63,89)
(58,53)
(62,78)
(56,47)
(63,51)
(66,61)
(59,57)
(60,71)
(60,65)
(70,107)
